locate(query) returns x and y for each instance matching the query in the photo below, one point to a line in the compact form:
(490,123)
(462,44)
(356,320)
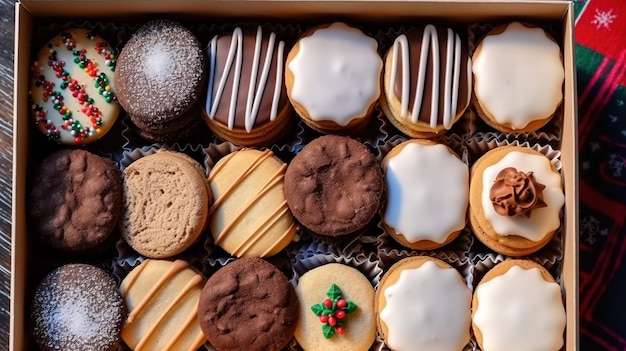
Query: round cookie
(425,93)
(75,200)
(248,305)
(162,300)
(77,307)
(246,101)
(516,198)
(423,303)
(333,77)
(518,78)
(334,186)
(166,204)
(72,92)
(249,216)
(427,194)
(518,306)
(160,76)
(354,320)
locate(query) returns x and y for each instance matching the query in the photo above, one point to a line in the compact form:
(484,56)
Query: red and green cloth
(601,73)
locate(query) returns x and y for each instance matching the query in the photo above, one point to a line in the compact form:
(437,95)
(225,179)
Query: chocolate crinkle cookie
(75,200)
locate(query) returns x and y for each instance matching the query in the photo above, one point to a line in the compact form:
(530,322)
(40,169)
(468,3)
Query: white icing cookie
(336,74)
(72,89)
(427,192)
(519,311)
(542,220)
(518,75)
(427,308)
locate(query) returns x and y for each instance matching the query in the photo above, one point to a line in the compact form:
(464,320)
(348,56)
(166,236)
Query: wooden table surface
(7,16)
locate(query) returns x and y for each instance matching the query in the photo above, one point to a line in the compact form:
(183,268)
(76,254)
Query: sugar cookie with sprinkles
(77,307)
(72,93)
(160,76)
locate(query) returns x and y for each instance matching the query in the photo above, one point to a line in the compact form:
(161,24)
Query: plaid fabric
(601,70)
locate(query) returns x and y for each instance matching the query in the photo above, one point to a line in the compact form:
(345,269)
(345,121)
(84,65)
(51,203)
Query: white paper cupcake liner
(478,147)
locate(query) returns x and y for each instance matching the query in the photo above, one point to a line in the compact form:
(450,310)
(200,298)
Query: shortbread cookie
(336,309)
(516,197)
(333,77)
(248,305)
(423,303)
(249,216)
(427,194)
(518,306)
(162,301)
(246,101)
(72,92)
(518,78)
(166,204)
(427,81)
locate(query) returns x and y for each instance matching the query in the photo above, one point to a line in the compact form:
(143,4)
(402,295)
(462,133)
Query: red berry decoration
(332,311)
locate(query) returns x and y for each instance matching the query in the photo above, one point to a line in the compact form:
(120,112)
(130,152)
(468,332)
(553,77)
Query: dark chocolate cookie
(77,307)
(248,305)
(334,186)
(75,200)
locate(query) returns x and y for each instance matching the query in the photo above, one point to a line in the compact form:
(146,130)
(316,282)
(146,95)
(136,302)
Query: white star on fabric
(603,19)
(620,103)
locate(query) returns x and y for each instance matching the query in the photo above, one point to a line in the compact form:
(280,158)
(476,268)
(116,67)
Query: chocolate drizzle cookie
(248,305)
(334,186)
(75,200)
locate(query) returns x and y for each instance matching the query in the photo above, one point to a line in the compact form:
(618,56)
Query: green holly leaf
(351,307)
(318,309)
(334,293)
(327,312)
(328,331)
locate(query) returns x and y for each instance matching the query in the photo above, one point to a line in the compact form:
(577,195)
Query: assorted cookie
(162,301)
(249,215)
(75,200)
(246,102)
(516,197)
(248,85)
(423,303)
(426,195)
(72,91)
(77,307)
(427,81)
(333,77)
(518,78)
(518,305)
(248,305)
(334,186)
(159,77)
(336,309)
(166,204)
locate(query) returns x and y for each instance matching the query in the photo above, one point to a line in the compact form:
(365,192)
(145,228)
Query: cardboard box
(29,12)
